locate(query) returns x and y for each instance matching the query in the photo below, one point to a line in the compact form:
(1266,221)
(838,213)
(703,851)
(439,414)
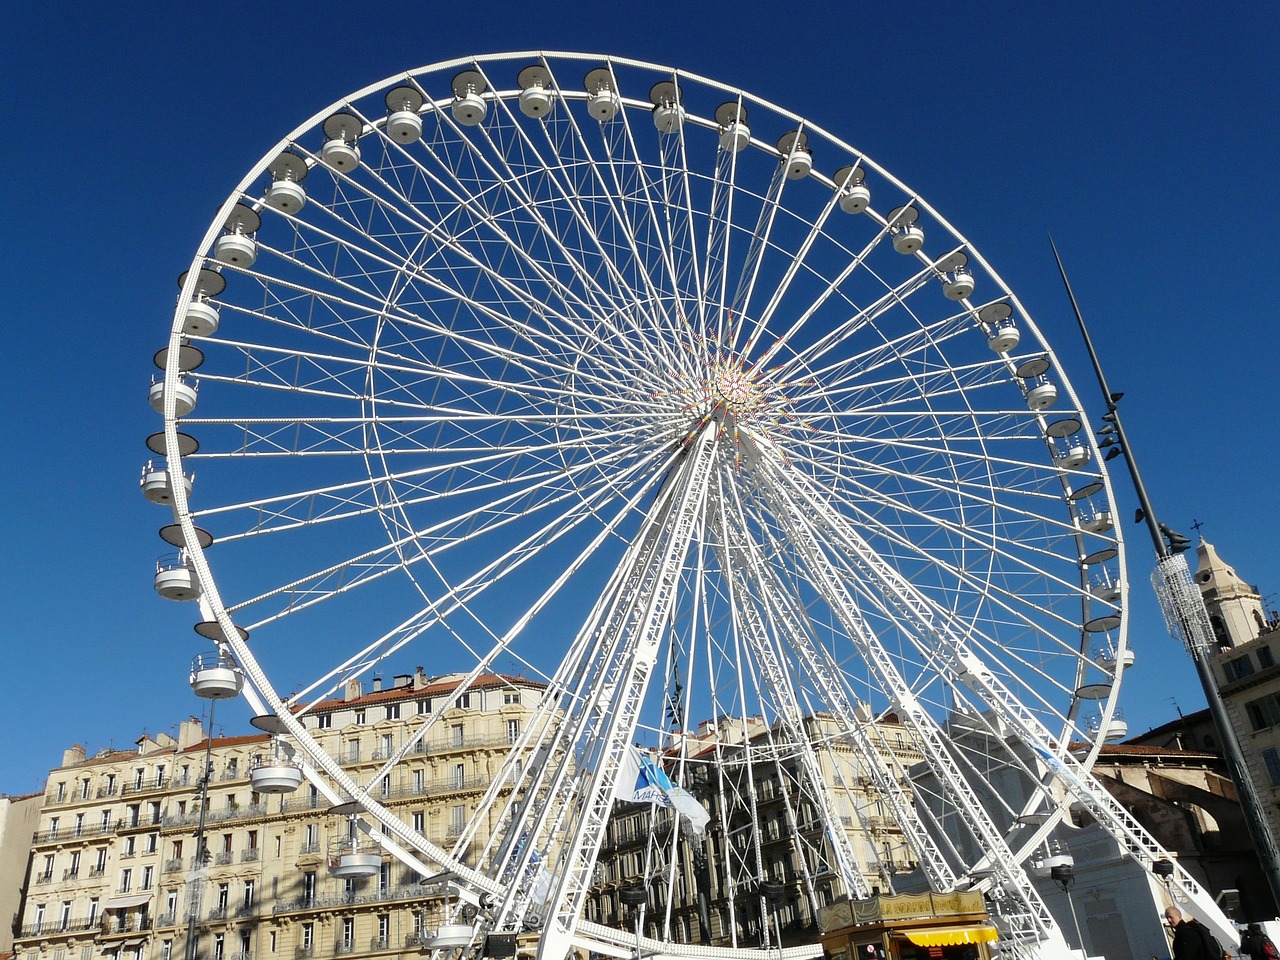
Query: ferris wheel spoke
(374,564)
(523,297)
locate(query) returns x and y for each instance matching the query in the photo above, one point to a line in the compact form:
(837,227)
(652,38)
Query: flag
(640,780)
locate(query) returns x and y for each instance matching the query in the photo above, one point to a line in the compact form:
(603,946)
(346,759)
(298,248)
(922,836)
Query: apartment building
(691,896)
(116,870)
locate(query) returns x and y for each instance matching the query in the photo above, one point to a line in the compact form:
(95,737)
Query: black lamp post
(634,898)
(1062,874)
(1184,613)
(772,891)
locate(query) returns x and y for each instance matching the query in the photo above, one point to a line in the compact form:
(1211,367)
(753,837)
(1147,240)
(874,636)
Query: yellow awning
(950,936)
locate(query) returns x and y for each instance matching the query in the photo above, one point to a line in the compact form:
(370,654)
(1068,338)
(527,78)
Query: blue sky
(1143,136)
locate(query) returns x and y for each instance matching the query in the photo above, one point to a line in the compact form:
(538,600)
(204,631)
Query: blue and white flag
(640,780)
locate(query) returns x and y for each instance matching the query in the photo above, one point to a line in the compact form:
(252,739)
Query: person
(1257,945)
(1190,938)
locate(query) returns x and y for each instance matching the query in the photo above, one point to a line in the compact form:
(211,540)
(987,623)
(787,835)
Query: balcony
(247,910)
(145,786)
(310,847)
(306,950)
(97,871)
(109,791)
(56,926)
(172,866)
(223,858)
(44,877)
(166,920)
(250,855)
(219,912)
(344,946)
(72,873)
(380,943)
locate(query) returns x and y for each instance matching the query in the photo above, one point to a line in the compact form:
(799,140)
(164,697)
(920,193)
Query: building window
(359,716)
(457,820)
(84,789)
(324,721)
(1263,712)
(1265,658)
(419,781)
(218,947)
(1271,757)
(148,876)
(457,731)
(511,696)
(248,894)
(424,706)
(459,776)
(353,751)
(61,793)
(513,731)
(308,935)
(393,711)
(1238,669)
(388,745)
(419,821)
(463,702)
(126,879)
(166,950)
(93,911)
(348,933)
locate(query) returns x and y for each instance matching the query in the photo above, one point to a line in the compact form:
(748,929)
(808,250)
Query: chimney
(352,690)
(73,756)
(377,684)
(190,732)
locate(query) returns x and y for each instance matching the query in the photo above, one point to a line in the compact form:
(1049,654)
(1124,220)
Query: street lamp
(1184,612)
(1062,874)
(772,892)
(634,898)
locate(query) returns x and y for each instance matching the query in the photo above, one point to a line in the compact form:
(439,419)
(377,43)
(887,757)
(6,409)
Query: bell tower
(1235,607)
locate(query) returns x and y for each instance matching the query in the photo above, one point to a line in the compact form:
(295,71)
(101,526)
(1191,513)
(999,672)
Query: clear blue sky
(1144,136)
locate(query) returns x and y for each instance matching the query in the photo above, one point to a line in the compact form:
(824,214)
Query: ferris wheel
(614,378)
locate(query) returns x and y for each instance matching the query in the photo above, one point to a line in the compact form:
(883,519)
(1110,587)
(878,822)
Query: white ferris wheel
(621,380)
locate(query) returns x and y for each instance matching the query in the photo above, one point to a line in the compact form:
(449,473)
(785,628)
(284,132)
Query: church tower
(1235,607)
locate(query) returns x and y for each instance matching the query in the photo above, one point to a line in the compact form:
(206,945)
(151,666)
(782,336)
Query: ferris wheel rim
(186,516)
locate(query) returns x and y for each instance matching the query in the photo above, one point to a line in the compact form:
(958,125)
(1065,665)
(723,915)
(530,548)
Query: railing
(44,877)
(410,891)
(251,854)
(415,940)
(146,786)
(110,791)
(232,773)
(166,920)
(246,910)
(223,858)
(56,926)
(219,912)
(134,923)
(312,847)
(216,816)
(71,873)
(344,946)
(172,865)
(304,803)
(305,951)
(380,943)
(96,871)
(128,854)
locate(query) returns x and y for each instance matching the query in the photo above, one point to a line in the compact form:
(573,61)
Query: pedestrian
(1191,939)
(1257,945)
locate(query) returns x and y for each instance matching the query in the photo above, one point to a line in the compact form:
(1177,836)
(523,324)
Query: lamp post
(772,892)
(202,857)
(1185,614)
(634,898)
(1062,874)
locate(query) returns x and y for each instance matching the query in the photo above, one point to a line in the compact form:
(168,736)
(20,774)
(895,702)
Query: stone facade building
(112,869)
